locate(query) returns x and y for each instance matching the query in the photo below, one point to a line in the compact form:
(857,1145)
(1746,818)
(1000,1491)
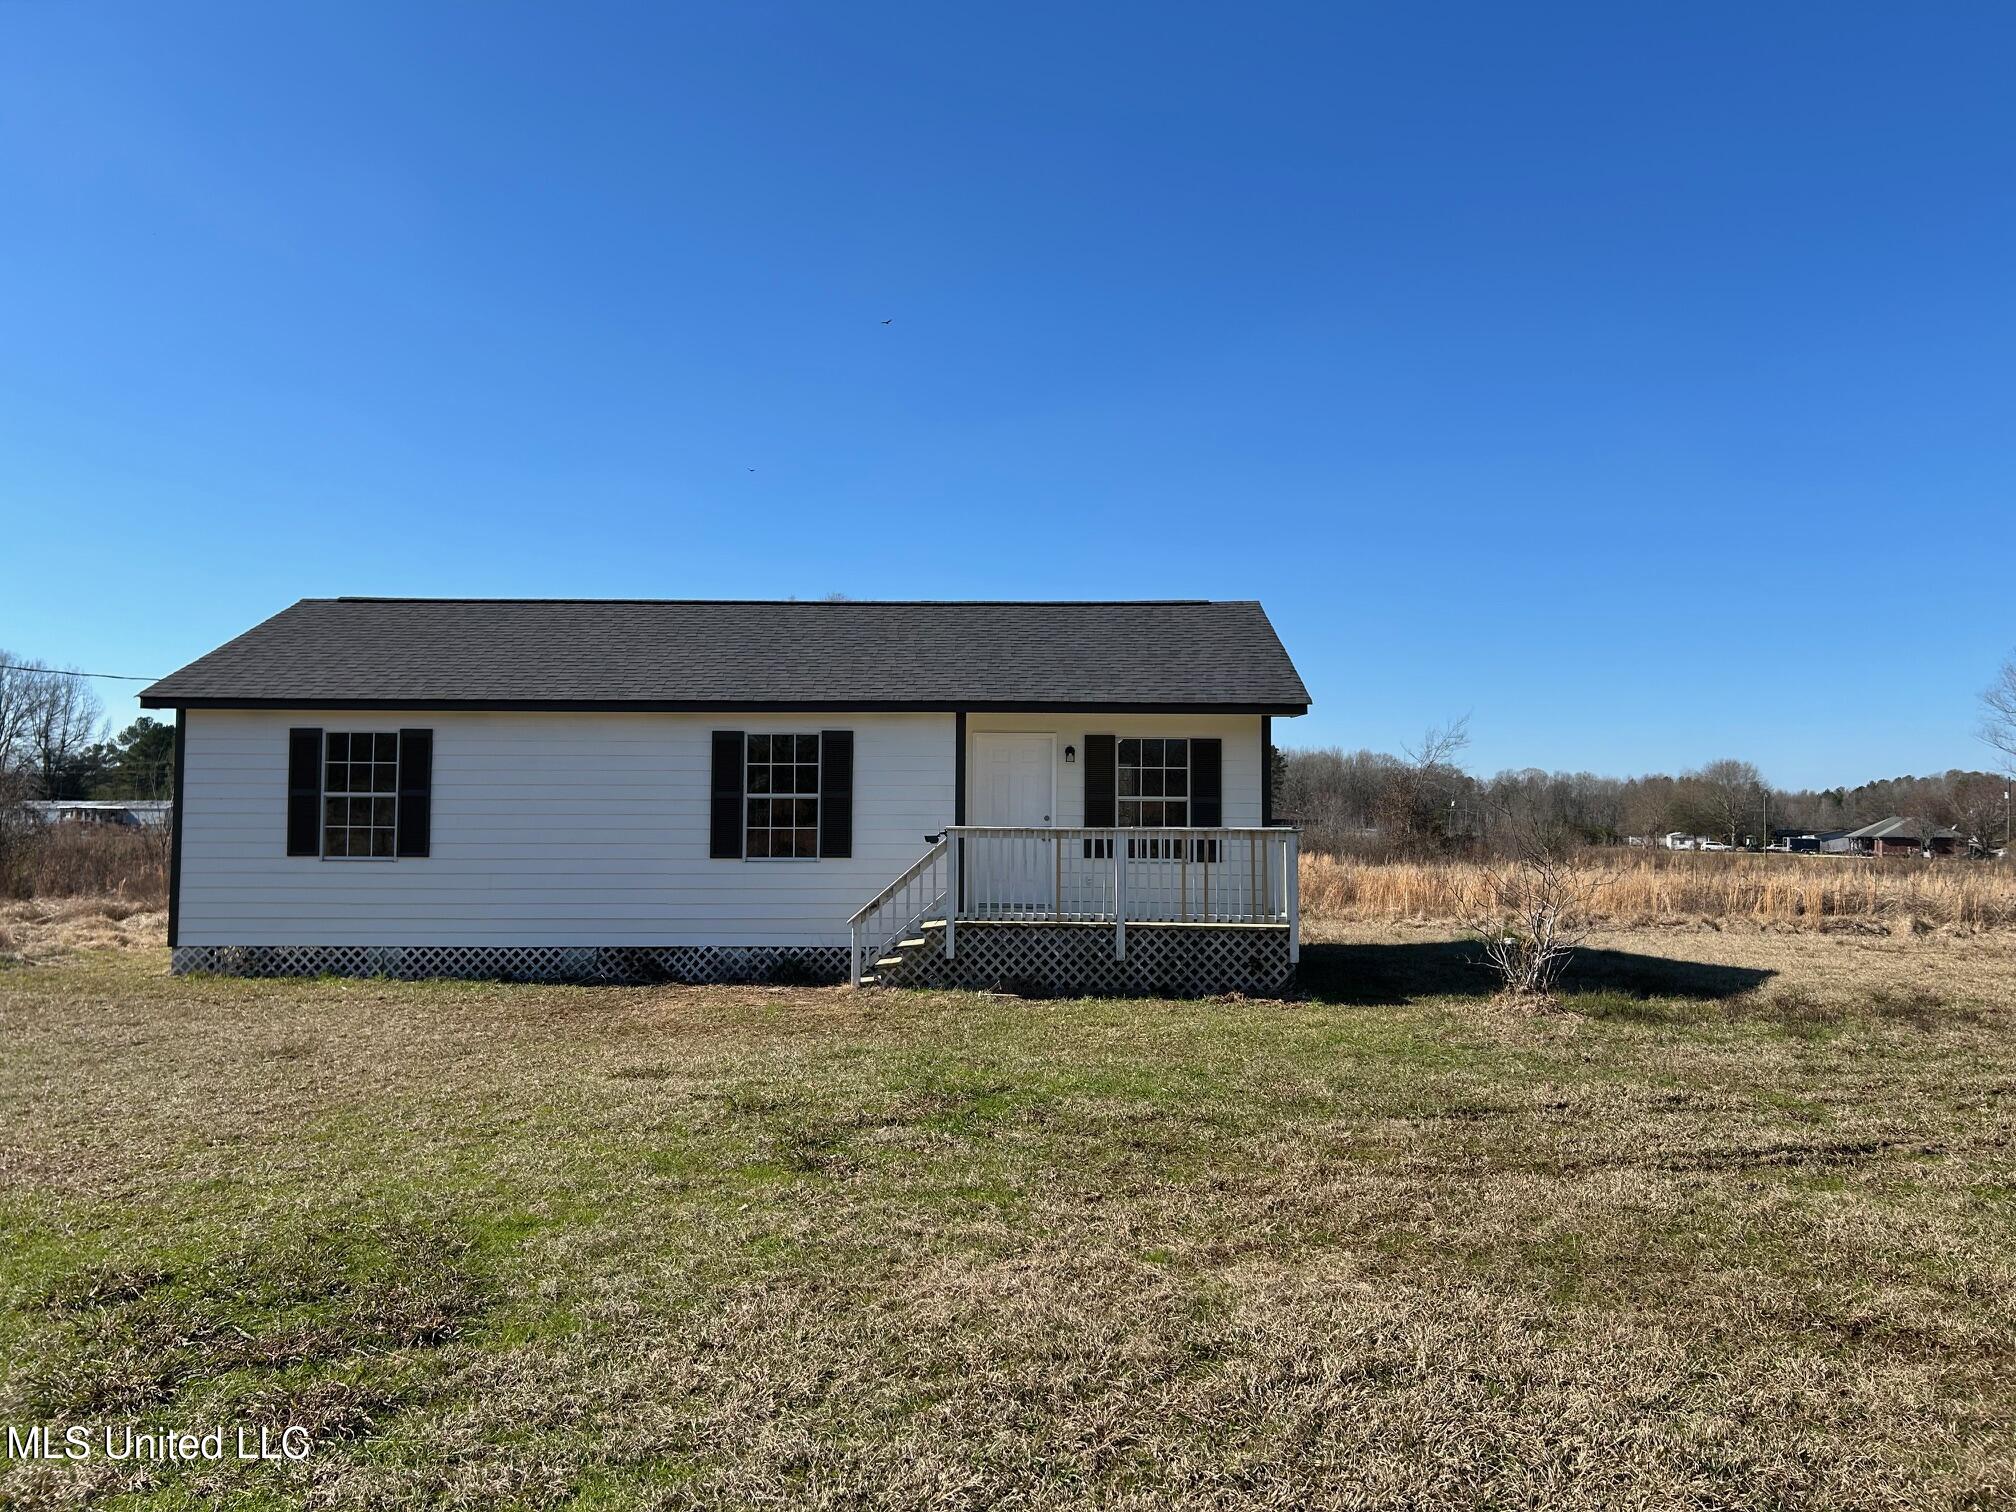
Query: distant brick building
(1904,837)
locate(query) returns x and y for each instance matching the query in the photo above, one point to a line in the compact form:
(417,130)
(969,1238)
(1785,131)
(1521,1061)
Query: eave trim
(721,706)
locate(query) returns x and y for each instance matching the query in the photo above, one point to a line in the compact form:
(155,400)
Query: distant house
(1904,837)
(126,812)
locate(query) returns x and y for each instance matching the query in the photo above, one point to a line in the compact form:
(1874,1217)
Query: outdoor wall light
(1070,755)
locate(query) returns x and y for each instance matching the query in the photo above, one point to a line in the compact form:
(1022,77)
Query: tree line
(1421,801)
(55,742)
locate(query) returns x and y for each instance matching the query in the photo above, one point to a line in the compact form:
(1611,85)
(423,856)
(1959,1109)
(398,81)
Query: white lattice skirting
(795,964)
(1076,960)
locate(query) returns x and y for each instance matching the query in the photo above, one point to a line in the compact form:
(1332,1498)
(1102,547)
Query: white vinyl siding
(548,829)
(1239,732)
(592,829)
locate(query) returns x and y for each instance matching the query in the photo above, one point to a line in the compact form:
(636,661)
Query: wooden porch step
(868,981)
(910,944)
(890,961)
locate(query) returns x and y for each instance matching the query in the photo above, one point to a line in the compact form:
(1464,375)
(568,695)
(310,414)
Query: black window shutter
(1207,783)
(724,831)
(416,793)
(304,792)
(1099,780)
(1267,769)
(836,793)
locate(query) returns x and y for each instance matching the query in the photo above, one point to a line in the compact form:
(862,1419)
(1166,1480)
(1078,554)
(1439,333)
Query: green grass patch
(565,1247)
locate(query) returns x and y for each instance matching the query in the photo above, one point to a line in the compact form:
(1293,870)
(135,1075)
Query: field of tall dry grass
(1803,892)
(73,887)
(86,860)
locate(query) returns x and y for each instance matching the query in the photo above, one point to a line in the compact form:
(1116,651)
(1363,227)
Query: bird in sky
(892,317)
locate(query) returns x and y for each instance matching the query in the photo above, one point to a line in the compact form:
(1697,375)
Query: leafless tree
(1421,804)
(20,690)
(1998,723)
(1337,797)
(1441,746)
(1382,806)
(1975,807)
(1648,806)
(1732,794)
(1532,910)
(20,693)
(62,721)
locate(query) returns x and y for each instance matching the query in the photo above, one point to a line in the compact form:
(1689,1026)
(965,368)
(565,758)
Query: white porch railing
(892,913)
(1001,874)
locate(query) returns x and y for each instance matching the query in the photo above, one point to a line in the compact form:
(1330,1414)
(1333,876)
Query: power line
(66,672)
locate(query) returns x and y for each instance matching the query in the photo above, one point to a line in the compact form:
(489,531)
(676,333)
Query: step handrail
(891,913)
(860,914)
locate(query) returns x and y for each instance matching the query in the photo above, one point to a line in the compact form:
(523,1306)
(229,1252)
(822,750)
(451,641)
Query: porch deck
(1209,909)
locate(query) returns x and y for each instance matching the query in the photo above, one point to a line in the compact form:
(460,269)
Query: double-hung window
(360,795)
(1154,783)
(781,798)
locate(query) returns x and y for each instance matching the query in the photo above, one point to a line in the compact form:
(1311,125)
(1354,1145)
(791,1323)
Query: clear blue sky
(1640,380)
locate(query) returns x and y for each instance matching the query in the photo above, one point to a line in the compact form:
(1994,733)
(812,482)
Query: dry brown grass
(1806,892)
(86,860)
(1742,1236)
(41,929)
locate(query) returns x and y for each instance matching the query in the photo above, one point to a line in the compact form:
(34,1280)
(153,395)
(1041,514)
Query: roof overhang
(692,656)
(717,706)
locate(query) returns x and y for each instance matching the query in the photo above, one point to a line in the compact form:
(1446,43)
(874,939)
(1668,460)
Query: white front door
(1013,781)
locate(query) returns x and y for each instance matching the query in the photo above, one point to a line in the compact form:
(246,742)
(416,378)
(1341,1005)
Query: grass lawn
(1736,1232)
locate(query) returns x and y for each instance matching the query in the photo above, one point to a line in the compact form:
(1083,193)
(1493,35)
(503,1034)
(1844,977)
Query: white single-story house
(1069,796)
(124,813)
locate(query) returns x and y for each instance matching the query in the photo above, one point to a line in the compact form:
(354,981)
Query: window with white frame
(360,795)
(1153,777)
(1154,783)
(782,798)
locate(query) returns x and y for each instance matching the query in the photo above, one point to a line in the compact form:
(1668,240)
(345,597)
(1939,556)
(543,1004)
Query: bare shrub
(1531,912)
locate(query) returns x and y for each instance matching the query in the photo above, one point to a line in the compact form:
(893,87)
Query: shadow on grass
(1383,975)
